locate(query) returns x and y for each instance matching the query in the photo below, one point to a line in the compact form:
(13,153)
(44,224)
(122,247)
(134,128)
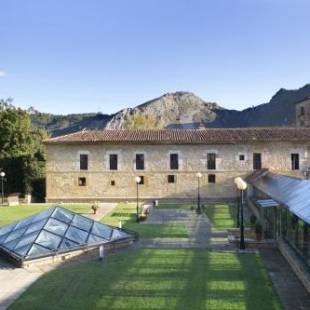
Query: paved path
(104,208)
(200,232)
(14,281)
(291,291)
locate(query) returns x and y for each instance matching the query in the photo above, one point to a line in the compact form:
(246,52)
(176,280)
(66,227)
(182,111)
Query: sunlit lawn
(15,213)
(126,213)
(222,215)
(188,279)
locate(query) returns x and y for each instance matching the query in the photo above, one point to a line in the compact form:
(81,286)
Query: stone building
(102,165)
(303,113)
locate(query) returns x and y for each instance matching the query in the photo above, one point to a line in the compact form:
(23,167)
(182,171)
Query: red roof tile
(187,136)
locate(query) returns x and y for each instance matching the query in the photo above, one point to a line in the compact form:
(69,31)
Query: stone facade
(63,169)
(303,113)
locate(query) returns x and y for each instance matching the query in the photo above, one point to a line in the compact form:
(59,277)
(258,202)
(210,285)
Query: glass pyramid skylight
(54,231)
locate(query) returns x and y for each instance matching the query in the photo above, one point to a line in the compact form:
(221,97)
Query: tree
(143,121)
(22,154)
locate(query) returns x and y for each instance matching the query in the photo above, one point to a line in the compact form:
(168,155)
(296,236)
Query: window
(141,180)
(257,161)
(174,161)
(211,161)
(82,181)
(211,178)
(171,178)
(113,161)
(241,157)
(83,162)
(140,161)
(112,183)
(302,111)
(295,161)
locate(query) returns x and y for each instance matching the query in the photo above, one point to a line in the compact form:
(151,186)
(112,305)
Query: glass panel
(4,230)
(118,234)
(82,222)
(3,237)
(62,215)
(37,250)
(23,250)
(15,234)
(35,226)
(43,215)
(26,239)
(77,235)
(56,226)
(95,239)
(102,230)
(24,222)
(48,240)
(11,245)
(66,244)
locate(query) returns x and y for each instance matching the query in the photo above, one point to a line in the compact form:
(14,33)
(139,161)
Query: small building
(102,165)
(303,113)
(283,205)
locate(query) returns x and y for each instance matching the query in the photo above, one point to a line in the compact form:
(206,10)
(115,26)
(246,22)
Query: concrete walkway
(104,208)
(14,281)
(291,291)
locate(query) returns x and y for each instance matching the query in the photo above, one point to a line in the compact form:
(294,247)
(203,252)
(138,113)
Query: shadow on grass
(222,216)
(157,279)
(126,213)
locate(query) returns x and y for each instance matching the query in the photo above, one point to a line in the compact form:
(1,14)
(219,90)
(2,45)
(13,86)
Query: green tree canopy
(142,121)
(21,150)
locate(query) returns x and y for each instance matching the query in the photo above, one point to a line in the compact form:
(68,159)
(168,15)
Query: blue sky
(82,56)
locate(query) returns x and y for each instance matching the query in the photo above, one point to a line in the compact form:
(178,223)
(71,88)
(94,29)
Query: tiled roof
(186,136)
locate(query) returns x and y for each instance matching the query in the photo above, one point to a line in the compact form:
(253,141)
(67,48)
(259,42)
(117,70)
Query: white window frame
(107,160)
(81,152)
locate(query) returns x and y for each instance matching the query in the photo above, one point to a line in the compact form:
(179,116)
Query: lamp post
(241,185)
(2,174)
(138,180)
(238,208)
(199,175)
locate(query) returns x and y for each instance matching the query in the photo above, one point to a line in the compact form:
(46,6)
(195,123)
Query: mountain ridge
(182,109)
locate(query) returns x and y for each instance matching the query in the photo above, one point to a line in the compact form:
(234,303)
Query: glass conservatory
(55,231)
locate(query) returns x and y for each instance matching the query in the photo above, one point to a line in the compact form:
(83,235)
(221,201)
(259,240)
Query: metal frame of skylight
(22,258)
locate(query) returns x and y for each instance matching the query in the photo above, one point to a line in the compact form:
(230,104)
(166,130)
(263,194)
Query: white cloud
(2,73)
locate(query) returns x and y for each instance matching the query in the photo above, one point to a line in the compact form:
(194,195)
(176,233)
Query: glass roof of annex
(55,230)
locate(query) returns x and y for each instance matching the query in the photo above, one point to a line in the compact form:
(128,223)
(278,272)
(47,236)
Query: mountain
(182,110)
(179,109)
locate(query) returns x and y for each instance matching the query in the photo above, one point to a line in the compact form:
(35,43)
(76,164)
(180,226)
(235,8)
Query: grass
(222,215)
(126,213)
(168,279)
(14,213)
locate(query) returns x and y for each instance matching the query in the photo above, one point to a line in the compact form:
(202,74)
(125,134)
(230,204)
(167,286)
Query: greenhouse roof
(55,230)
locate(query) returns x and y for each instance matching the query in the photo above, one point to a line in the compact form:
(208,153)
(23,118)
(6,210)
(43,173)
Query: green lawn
(222,215)
(180,279)
(15,213)
(126,212)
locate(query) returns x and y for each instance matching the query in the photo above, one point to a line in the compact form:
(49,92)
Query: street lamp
(238,207)
(199,175)
(138,180)
(241,185)
(2,174)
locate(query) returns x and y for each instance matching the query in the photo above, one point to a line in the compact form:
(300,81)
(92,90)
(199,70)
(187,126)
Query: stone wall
(63,170)
(303,113)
